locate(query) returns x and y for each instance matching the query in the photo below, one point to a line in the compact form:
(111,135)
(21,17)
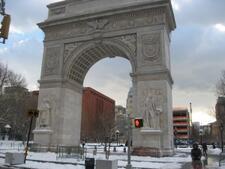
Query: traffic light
(5,26)
(33,112)
(138,123)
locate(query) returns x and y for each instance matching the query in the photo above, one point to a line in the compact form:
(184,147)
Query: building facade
(220,109)
(121,122)
(98,115)
(220,116)
(181,123)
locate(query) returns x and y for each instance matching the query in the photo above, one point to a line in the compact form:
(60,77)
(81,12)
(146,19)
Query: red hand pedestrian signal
(138,123)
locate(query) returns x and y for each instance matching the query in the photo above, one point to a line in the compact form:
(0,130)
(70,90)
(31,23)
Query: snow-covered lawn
(51,160)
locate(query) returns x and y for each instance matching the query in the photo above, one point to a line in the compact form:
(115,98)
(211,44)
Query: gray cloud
(200,12)
(197,51)
(27,13)
(197,57)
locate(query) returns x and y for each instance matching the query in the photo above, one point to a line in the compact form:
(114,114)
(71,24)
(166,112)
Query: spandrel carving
(52,60)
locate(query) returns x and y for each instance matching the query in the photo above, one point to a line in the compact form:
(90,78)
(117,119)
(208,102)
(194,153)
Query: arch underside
(87,58)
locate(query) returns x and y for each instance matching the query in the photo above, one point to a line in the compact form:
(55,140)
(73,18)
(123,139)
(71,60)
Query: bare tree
(16,80)
(220,86)
(12,100)
(3,76)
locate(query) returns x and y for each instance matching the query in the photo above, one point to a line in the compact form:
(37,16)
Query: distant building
(98,115)
(121,122)
(181,123)
(220,109)
(214,133)
(220,117)
(129,106)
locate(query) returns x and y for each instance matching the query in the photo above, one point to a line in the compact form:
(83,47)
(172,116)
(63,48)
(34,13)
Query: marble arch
(78,33)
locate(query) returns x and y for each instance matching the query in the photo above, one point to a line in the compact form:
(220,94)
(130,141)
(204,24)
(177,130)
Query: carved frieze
(52,60)
(151,47)
(106,24)
(97,25)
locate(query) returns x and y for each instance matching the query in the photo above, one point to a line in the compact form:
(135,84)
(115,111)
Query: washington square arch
(79,33)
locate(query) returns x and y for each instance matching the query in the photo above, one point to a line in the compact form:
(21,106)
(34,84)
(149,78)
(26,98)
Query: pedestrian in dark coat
(196,155)
(204,148)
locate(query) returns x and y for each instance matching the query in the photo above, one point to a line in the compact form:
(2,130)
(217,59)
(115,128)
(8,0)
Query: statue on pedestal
(44,117)
(151,113)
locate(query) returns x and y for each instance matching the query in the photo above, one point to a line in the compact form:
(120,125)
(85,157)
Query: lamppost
(200,133)
(129,166)
(221,134)
(7,129)
(117,136)
(32,114)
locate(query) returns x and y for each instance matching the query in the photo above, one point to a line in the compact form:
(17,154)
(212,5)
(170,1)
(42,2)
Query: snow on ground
(181,157)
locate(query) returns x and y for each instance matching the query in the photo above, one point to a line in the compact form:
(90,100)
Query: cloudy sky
(198,53)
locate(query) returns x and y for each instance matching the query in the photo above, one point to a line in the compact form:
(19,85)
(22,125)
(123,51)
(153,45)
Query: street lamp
(32,114)
(117,136)
(221,133)
(129,166)
(201,133)
(7,129)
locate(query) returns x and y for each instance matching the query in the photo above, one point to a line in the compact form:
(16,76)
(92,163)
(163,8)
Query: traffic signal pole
(129,166)
(5,23)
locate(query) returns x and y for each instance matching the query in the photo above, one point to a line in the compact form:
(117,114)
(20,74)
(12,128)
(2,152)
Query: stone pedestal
(14,158)
(109,164)
(150,143)
(42,136)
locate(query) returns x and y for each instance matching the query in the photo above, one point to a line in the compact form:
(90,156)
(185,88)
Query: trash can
(89,163)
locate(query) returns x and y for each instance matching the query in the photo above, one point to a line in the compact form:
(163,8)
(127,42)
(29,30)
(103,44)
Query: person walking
(196,155)
(204,148)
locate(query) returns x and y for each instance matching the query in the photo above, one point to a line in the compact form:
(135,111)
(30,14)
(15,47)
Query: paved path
(206,163)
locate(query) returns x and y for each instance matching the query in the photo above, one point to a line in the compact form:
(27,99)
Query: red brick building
(98,115)
(181,123)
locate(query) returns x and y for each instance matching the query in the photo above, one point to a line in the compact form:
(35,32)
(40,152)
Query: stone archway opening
(106,86)
(106,71)
(81,64)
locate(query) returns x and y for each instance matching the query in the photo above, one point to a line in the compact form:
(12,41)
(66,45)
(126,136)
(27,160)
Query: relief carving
(68,50)
(111,23)
(152,108)
(97,25)
(130,41)
(151,47)
(46,108)
(52,60)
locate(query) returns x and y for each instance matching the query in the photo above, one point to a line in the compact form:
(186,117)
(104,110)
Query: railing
(222,157)
(71,152)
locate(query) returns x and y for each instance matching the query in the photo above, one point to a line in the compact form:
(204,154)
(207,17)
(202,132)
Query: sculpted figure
(151,113)
(45,111)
